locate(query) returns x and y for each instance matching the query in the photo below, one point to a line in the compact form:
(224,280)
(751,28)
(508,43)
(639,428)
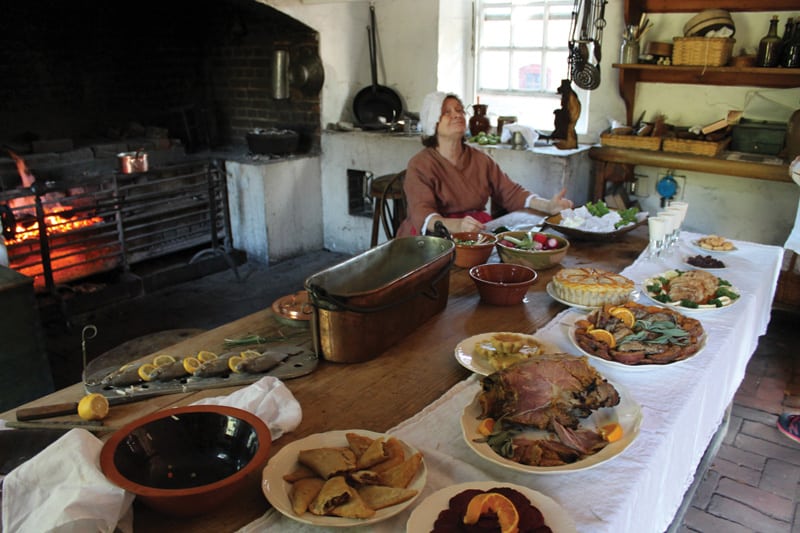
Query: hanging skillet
(376,101)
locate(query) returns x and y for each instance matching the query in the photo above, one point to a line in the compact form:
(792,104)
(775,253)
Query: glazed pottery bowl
(502,283)
(187,460)
(472,248)
(535,259)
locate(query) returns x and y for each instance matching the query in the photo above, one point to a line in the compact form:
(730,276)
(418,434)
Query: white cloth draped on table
(640,489)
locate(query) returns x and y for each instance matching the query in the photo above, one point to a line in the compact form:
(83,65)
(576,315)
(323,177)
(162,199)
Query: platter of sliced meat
(573,419)
(690,290)
(637,337)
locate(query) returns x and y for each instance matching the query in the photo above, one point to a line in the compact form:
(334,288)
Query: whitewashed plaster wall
(426,45)
(276,208)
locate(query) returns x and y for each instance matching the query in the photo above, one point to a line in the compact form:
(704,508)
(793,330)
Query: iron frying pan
(376,100)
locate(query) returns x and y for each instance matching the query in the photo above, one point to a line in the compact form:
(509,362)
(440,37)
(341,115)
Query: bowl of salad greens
(472,248)
(534,249)
(596,221)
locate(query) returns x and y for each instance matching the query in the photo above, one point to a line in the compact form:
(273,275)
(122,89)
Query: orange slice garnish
(603,335)
(486,427)
(496,504)
(611,432)
(624,315)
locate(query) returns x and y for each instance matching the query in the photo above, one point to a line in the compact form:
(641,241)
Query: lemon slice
(233,361)
(93,407)
(163,359)
(146,371)
(204,356)
(249,354)
(190,364)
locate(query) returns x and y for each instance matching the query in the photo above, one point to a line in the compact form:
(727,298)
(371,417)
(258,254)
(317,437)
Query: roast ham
(545,390)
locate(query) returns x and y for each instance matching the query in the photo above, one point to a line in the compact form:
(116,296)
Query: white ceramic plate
(726,302)
(634,296)
(627,413)
(425,514)
(605,363)
(697,246)
(710,269)
(466,356)
(276,489)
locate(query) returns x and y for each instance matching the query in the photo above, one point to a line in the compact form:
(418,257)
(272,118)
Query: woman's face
(453,122)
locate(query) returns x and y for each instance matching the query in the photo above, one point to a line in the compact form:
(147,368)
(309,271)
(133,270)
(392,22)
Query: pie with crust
(591,287)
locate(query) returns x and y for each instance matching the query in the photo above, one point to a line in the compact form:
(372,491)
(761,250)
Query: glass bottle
(479,122)
(769,46)
(790,53)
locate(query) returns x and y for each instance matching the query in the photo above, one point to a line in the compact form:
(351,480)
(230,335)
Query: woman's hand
(456,225)
(558,202)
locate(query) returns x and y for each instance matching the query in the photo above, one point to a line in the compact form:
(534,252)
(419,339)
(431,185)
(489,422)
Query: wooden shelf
(615,165)
(634,8)
(631,74)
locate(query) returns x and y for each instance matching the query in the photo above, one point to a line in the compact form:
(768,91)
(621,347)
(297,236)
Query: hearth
(61,231)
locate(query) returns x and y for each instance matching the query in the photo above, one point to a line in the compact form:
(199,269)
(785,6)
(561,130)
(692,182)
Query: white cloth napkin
(529,134)
(269,399)
(62,489)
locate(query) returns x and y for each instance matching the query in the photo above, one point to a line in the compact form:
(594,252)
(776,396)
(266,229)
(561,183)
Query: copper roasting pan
(364,305)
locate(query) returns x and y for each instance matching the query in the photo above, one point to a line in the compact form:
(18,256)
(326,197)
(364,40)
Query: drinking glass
(656,227)
(677,218)
(669,227)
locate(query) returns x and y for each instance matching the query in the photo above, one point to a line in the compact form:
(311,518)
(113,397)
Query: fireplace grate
(114,221)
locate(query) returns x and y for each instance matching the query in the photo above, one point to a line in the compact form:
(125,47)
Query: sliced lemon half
(146,371)
(249,354)
(205,356)
(163,359)
(93,407)
(190,364)
(234,361)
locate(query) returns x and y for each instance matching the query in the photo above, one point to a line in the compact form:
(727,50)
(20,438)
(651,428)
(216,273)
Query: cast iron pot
(376,100)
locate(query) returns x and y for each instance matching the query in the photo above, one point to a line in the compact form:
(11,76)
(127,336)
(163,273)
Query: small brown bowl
(468,252)
(187,460)
(502,283)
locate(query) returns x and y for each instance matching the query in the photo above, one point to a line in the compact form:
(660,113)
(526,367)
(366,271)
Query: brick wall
(98,69)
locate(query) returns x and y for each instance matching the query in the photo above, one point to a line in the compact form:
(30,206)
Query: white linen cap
(431,112)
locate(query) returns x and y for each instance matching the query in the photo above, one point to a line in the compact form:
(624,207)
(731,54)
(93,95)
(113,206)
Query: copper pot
(132,162)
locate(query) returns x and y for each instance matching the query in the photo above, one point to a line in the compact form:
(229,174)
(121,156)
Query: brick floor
(753,484)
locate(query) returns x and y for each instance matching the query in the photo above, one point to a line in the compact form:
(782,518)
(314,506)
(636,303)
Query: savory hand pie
(327,462)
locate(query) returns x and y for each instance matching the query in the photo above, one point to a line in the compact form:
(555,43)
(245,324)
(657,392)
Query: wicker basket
(688,146)
(702,51)
(630,141)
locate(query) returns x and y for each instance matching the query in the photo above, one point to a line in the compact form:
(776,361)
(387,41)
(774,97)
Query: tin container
(364,305)
(132,162)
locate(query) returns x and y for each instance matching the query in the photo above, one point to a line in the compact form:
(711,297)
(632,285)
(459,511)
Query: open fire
(57,232)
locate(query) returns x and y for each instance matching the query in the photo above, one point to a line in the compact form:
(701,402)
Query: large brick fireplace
(183,80)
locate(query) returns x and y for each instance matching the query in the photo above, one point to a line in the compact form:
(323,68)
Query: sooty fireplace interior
(181,79)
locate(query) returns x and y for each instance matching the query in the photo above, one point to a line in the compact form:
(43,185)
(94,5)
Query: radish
(552,243)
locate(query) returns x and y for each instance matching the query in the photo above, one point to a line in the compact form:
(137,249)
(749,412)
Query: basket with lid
(364,305)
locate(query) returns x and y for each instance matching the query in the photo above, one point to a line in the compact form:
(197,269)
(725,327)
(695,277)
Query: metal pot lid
(293,306)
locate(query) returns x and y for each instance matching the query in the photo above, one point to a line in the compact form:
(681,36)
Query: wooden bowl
(502,283)
(187,460)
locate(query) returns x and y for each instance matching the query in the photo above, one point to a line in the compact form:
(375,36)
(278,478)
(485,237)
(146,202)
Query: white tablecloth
(641,489)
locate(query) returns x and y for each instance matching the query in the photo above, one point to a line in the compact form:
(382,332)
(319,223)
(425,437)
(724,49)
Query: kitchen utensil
(376,106)
(132,162)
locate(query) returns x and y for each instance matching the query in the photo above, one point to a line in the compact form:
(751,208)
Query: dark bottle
(479,122)
(790,52)
(769,46)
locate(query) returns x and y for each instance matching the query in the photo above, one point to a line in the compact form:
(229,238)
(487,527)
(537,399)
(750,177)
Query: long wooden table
(375,395)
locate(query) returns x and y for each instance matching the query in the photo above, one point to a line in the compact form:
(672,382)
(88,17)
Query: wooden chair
(390,205)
